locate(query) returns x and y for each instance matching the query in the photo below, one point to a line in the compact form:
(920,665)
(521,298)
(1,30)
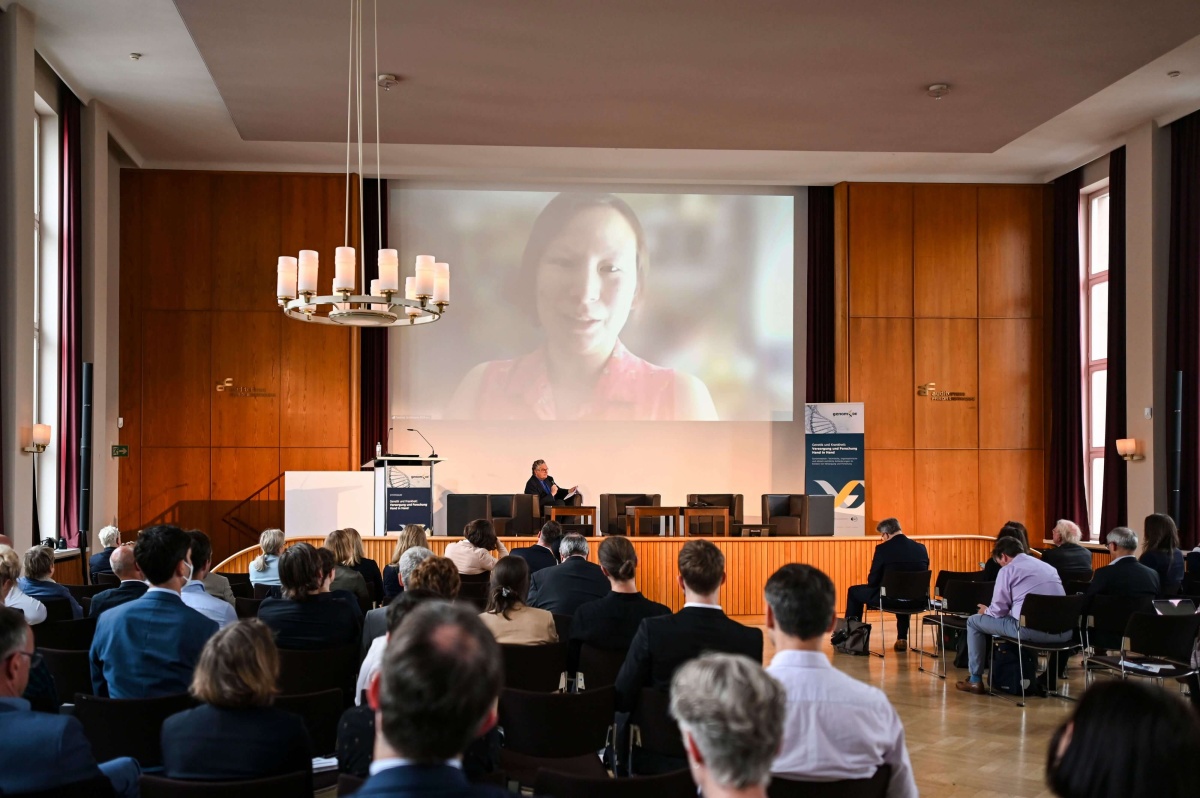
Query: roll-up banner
(834,462)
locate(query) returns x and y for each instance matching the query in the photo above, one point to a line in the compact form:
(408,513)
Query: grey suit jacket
(217,585)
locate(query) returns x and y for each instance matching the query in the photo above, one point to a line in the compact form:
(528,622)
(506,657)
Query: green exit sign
(120,451)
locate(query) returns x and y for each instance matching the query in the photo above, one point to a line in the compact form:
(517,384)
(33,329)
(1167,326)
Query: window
(1095,320)
(45,309)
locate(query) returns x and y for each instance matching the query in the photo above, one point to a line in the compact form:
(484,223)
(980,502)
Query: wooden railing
(259,511)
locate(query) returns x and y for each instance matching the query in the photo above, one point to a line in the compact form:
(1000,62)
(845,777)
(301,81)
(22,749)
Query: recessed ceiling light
(135,56)
(1174,73)
(938,90)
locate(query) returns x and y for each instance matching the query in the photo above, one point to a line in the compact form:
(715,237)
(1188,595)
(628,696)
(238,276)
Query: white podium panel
(318,502)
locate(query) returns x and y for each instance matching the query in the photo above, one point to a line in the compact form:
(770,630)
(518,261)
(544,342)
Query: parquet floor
(961,745)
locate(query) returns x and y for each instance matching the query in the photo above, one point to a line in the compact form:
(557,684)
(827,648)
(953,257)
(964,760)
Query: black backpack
(1006,672)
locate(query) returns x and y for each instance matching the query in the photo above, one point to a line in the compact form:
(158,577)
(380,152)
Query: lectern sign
(833,437)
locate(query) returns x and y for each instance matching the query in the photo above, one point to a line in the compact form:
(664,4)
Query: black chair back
(246,607)
(129,726)
(1075,587)
(659,734)
(1052,614)
(318,670)
(482,578)
(57,609)
(80,592)
(534,668)
(1170,637)
(108,580)
(1108,617)
(320,712)
(945,577)
(1075,575)
(71,671)
(96,787)
(475,593)
(556,725)
(65,635)
(874,787)
(599,666)
(234,579)
(241,589)
(677,784)
(348,784)
(562,626)
(900,585)
(964,598)
(266,591)
(288,784)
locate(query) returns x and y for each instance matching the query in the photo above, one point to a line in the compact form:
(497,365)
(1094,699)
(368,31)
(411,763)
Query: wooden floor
(961,745)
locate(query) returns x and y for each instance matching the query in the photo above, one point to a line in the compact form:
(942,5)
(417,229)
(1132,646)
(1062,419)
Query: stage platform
(748,561)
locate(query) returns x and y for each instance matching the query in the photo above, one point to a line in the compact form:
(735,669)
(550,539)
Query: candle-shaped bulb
(389,270)
(424,280)
(285,282)
(343,269)
(441,283)
(306,283)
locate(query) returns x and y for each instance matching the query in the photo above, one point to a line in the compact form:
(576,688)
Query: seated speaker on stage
(542,485)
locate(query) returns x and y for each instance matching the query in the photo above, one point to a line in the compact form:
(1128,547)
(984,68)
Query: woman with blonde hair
(507,615)
(11,595)
(412,536)
(340,543)
(236,734)
(367,567)
(265,568)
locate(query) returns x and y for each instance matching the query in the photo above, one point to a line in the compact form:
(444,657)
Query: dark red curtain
(1183,323)
(820,372)
(373,371)
(1115,500)
(1066,490)
(70,314)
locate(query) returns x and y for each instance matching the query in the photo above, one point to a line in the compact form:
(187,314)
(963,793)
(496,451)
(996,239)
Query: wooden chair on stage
(798,514)
(612,512)
(708,526)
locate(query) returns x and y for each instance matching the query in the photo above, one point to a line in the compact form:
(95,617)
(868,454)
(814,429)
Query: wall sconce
(1127,448)
(41,439)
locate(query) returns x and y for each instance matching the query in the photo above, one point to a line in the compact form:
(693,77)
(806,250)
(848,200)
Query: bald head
(124,565)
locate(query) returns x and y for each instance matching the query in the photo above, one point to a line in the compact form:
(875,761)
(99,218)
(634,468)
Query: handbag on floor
(851,637)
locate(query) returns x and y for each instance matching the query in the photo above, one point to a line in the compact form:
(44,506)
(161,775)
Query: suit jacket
(218,586)
(391,583)
(369,570)
(899,551)
(149,647)
(320,621)
(1125,577)
(347,579)
(43,589)
(98,562)
(210,743)
(116,596)
(538,557)
(525,626)
(665,642)
(564,587)
(426,781)
(611,622)
(41,751)
(534,487)
(1068,557)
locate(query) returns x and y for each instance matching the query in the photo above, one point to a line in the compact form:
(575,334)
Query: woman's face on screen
(587,281)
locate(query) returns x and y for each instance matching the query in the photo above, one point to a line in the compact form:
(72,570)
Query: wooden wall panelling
(176,384)
(841,274)
(312,217)
(129,367)
(1011,487)
(245,349)
(881,249)
(175,486)
(176,240)
(308,459)
(889,477)
(1010,384)
(315,386)
(946,352)
(945,275)
(1010,251)
(946,491)
(881,376)
(246,238)
(235,475)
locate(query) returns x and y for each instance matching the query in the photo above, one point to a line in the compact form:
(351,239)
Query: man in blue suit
(149,647)
(133,583)
(43,751)
(437,691)
(545,553)
(898,552)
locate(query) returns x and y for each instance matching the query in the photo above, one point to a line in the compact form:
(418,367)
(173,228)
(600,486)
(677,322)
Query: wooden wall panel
(841,289)
(175,487)
(306,459)
(176,387)
(129,367)
(881,376)
(881,249)
(946,352)
(315,385)
(1010,251)
(946,491)
(176,240)
(1010,384)
(889,477)
(945,274)
(245,413)
(1011,488)
(313,218)
(246,236)
(236,474)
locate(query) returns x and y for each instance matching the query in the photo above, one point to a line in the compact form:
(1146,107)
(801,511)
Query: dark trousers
(858,597)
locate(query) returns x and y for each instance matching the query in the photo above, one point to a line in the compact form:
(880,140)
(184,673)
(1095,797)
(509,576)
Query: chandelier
(426,293)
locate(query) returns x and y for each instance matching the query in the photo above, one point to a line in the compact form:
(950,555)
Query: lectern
(403,491)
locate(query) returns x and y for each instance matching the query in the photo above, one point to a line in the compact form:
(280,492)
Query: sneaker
(900,645)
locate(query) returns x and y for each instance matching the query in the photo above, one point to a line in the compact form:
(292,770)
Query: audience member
(1124,575)
(1125,739)
(896,552)
(43,751)
(665,642)
(611,622)
(194,595)
(473,554)
(149,647)
(38,581)
(574,582)
(133,582)
(1160,551)
(730,715)
(15,598)
(236,734)
(364,565)
(217,585)
(437,691)
(1067,554)
(265,568)
(437,575)
(395,614)
(413,536)
(1020,576)
(308,616)
(837,727)
(543,554)
(110,538)
(340,543)
(375,621)
(1011,529)
(328,565)
(507,616)
(409,561)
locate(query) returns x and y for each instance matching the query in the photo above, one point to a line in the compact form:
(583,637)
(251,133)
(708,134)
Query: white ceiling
(677,91)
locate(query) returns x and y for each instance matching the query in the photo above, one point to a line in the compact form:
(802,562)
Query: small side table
(706,512)
(752,530)
(634,516)
(582,511)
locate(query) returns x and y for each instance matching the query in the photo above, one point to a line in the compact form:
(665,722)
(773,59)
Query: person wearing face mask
(586,260)
(149,647)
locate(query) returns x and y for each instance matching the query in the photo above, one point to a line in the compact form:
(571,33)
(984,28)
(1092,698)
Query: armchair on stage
(512,514)
(612,512)
(704,526)
(798,515)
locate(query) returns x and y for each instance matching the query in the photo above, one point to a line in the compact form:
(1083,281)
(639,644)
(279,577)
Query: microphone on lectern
(432,453)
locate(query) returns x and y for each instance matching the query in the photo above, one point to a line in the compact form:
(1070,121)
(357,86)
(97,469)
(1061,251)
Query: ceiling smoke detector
(938,90)
(386,81)
(1174,73)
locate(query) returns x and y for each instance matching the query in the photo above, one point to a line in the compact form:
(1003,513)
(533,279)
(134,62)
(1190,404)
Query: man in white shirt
(194,593)
(836,726)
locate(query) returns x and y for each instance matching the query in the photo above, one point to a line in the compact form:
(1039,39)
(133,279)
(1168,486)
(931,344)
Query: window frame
(1091,366)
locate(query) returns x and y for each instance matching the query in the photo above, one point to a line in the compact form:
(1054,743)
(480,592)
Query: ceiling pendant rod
(349,85)
(378,141)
